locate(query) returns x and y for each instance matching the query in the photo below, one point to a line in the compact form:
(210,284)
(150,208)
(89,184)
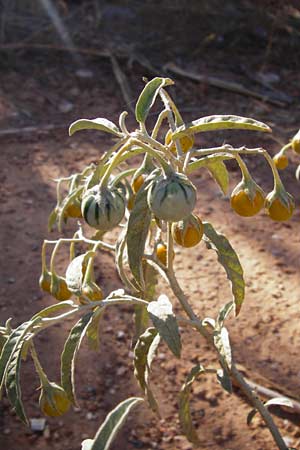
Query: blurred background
(61,60)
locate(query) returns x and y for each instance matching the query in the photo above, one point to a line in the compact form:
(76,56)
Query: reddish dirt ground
(266,335)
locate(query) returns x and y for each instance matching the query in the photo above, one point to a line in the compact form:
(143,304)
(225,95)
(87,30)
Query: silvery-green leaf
(76,270)
(92,331)
(229,260)
(164,320)
(100,124)
(69,354)
(137,232)
(220,122)
(12,344)
(222,343)
(87,444)
(281,401)
(224,379)
(219,172)
(52,219)
(224,313)
(49,310)
(144,353)
(184,405)
(148,96)
(113,422)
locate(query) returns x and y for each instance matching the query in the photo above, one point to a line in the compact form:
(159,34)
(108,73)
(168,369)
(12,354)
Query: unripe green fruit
(103,209)
(172,198)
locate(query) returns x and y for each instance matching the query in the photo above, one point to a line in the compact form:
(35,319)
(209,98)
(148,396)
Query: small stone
(37,425)
(11,280)
(288,440)
(120,335)
(84,73)
(121,371)
(6,431)
(91,416)
(65,106)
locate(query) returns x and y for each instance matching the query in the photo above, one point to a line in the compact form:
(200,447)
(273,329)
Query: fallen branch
(32,129)
(267,392)
(223,84)
(122,82)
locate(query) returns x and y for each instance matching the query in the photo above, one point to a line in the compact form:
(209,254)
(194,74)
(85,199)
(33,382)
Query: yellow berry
(73,209)
(279,210)
(59,288)
(53,400)
(45,281)
(188,232)
(243,205)
(281,161)
(162,252)
(186,142)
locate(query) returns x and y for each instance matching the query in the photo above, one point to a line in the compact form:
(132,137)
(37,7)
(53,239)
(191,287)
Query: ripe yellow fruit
(186,142)
(92,291)
(296,143)
(73,210)
(53,400)
(247,199)
(162,252)
(59,289)
(138,183)
(281,161)
(188,232)
(280,207)
(45,281)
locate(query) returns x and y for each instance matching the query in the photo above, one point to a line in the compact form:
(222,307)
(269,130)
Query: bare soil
(266,335)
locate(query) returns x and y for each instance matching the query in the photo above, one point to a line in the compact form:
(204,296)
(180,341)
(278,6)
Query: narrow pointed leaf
(52,219)
(228,258)
(95,124)
(222,343)
(184,405)
(223,314)
(56,307)
(164,320)
(137,232)
(69,354)
(220,122)
(76,270)
(17,336)
(148,96)
(144,353)
(12,383)
(92,331)
(219,172)
(113,422)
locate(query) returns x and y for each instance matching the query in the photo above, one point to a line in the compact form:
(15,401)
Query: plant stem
(235,374)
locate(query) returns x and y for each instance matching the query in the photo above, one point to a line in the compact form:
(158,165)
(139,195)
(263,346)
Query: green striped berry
(103,209)
(172,198)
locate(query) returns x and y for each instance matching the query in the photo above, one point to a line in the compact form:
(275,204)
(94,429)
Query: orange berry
(188,232)
(137,183)
(242,203)
(186,142)
(281,161)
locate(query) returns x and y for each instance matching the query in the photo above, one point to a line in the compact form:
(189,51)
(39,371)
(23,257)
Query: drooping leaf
(12,343)
(281,401)
(76,270)
(141,316)
(12,382)
(164,320)
(220,122)
(144,352)
(120,256)
(219,172)
(136,235)
(184,405)
(222,344)
(92,331)
(113,422)
(148,96)
(223,314)
(229,260)
(69,354)
(95,124)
